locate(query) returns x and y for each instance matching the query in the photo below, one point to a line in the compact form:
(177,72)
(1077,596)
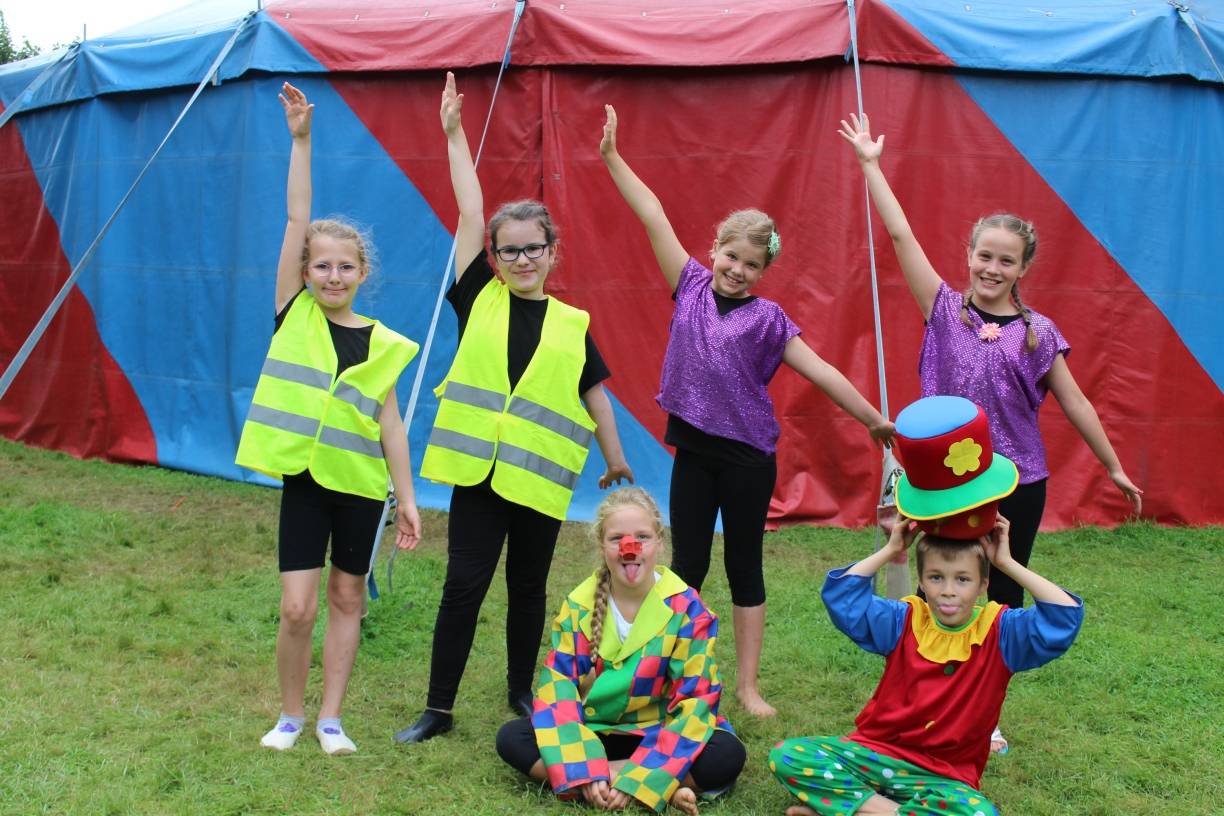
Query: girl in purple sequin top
(986,345)
(724,348)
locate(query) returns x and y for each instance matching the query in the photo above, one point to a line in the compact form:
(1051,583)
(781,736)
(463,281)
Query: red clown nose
(630,548)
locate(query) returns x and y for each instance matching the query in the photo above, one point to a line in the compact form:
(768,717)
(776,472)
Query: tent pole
(40,327)
(896,576)
(410,409)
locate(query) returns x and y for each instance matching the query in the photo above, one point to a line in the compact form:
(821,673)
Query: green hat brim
(998,480)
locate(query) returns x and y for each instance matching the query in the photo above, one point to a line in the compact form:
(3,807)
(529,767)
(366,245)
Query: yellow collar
(651,619)
(939,644)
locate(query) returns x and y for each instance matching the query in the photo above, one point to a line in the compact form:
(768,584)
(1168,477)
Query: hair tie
(775,243)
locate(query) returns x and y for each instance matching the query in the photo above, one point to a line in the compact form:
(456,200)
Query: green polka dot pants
(835,776)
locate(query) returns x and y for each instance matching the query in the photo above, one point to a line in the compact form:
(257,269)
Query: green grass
(137,671)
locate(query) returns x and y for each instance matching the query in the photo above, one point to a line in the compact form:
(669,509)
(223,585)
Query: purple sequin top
(717,367)
(1000,376)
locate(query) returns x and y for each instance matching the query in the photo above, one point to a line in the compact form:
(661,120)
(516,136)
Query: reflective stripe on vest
(535,439)
(302,417)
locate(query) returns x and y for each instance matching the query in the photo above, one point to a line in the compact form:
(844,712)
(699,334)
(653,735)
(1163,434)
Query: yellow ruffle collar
(939,644)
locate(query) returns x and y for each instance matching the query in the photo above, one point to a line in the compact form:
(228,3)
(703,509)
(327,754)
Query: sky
(47,22)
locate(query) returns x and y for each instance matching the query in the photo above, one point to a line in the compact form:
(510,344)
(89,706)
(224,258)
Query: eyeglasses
(324,268)
(510,254)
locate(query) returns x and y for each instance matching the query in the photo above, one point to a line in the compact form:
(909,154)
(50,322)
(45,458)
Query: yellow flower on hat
(964,456)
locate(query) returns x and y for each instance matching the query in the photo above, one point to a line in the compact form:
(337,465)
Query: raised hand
(858,134)
(998,543)
(452,106)
(297,111)
(903,533)
(607,145)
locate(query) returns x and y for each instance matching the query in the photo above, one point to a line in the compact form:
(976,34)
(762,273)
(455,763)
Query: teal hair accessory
(775,244)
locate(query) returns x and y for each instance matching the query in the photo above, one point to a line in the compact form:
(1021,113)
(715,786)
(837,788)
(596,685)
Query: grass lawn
(138,673)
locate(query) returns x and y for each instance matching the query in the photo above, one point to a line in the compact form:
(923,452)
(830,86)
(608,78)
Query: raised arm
(809,365)
(298,113)
(469,235)
(921,277)
(667,249)
(998,549)
(1084,418)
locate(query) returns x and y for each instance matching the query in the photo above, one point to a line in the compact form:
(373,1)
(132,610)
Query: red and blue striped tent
(1100,121)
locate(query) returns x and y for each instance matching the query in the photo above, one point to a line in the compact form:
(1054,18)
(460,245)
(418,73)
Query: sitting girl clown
(922,740)
(627,707)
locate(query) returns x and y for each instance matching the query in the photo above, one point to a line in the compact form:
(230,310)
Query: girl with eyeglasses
(324,419)
(725,346)
(517,412)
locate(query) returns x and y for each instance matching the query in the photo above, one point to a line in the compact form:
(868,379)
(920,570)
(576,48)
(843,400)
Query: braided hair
(616,500)
(1024,230)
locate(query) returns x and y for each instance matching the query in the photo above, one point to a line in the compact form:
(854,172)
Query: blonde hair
(341,229)
(616,500)
(755,227)
(1025,232)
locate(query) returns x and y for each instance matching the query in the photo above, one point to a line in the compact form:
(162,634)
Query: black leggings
(1023,509)
(701,486)
(480,522)
(716,767)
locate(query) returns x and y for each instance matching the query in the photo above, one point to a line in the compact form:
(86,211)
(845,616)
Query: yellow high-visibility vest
(304,417)
(536,437)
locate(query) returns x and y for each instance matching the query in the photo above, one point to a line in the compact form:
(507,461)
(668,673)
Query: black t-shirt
(352,344)
(987,317)
(526,323)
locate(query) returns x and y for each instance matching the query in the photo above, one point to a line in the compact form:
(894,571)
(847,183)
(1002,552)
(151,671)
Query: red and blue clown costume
(661,683)
(924,736)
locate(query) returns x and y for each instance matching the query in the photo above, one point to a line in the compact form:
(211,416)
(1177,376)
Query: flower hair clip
(990,332)
(775,244)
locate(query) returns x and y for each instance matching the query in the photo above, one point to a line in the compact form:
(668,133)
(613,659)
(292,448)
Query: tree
(7,52)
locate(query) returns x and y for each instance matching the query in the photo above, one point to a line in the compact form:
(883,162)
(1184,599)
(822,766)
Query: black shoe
(430,724)
(521,704)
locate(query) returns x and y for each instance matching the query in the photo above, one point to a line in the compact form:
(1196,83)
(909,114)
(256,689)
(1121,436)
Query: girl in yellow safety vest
(324,419)
(517,413)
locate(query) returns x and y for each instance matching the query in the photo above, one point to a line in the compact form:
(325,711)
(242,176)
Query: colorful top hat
(953,478)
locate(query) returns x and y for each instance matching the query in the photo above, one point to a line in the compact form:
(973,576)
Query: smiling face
(737,265)
(952,581)
(995,264)
(632,571)
(334,272)
(525,276)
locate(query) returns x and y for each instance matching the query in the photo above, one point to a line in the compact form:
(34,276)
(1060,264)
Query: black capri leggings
(716,767)
(1023,509)
(701,486)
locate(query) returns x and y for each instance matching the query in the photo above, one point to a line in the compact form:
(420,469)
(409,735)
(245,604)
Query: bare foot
(754,703)
(800,810)
(685,801)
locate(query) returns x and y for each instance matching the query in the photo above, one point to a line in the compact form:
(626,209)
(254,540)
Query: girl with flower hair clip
(627,705)
(986,345)
(725,346)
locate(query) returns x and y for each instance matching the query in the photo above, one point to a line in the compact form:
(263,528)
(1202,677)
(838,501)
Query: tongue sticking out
(631,571)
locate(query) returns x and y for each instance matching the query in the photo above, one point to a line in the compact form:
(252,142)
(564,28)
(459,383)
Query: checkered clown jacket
(661,682)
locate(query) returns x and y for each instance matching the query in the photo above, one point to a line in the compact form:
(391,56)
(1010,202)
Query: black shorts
(311,514)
